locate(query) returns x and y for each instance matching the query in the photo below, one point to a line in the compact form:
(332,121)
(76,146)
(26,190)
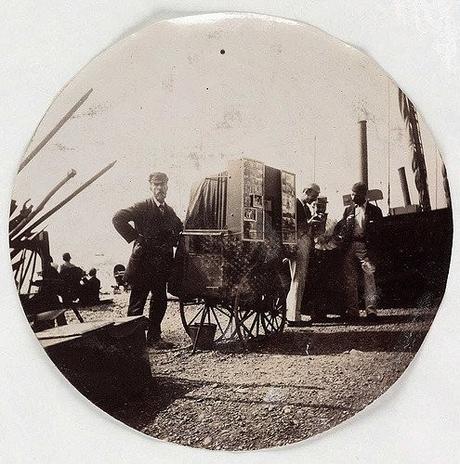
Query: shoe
(159,344)
(351,318)
(372,317)
(298,323)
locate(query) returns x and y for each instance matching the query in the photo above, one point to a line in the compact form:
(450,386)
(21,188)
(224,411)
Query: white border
(43,45)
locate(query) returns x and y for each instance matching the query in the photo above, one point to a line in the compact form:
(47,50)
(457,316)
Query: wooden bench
(107,361)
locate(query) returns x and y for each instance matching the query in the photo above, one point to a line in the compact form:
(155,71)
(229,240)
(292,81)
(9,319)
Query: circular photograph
(231,231)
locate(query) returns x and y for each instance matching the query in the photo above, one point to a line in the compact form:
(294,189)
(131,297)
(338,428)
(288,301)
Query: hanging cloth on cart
(202,212)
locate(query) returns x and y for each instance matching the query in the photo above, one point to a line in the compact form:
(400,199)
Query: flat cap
(158,178)
(312,186)
(359,187)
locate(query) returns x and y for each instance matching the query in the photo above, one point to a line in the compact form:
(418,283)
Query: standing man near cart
(154,228)
(361,220)
(306,218)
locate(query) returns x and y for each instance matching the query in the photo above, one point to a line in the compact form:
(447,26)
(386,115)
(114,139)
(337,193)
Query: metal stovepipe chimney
(404,186)
(364,159)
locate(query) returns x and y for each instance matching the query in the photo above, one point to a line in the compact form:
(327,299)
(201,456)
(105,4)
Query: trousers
(299,269)
(158,303)
(356,257)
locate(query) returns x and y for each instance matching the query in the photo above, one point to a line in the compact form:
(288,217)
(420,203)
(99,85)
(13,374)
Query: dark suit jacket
(89,293)
(154,235)
(303,216)
(372,218)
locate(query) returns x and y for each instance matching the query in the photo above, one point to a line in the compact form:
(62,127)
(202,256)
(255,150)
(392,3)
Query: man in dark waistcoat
(361,222)
(155,233)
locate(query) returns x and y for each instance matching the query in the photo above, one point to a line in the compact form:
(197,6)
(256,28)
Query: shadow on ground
(165,390)
(142,410)
(387,335)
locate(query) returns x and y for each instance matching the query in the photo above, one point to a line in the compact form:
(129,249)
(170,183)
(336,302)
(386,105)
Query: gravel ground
(283,390)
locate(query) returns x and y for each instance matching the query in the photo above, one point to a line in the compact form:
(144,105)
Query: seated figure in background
(90,288)
(71,276)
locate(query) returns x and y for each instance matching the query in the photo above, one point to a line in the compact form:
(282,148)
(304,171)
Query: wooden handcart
(240,226)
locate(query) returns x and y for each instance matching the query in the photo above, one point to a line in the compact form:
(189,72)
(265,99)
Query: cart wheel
(248,321)
(260,307)
(247,309)
(274,318)
(210,312)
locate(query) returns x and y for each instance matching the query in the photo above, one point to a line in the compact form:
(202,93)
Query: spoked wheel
(274,316)
(260,307)
(209,312)
(248,321)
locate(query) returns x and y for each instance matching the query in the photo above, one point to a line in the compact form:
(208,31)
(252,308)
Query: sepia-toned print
(231,231)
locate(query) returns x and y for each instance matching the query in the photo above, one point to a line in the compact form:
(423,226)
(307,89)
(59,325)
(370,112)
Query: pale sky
(167,99)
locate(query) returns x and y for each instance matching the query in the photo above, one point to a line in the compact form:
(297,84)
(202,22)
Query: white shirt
(360,213)
(158,203)
(312,207)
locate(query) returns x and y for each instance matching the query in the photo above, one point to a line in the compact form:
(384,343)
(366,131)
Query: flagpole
(314,159)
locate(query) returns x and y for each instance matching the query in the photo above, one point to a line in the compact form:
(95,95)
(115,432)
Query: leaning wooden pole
(67,199)
(51,134)
(15,244)
(40,207)
(29,288)
(25,270)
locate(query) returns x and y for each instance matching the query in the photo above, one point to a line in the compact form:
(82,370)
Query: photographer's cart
(240,226)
